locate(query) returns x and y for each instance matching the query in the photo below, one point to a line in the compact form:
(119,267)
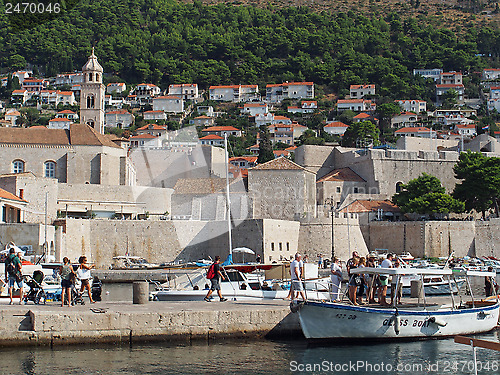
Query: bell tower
(92,95)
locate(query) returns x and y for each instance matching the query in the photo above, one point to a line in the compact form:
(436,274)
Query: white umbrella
(243,250)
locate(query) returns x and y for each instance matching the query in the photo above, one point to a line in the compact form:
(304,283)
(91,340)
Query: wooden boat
(431,317)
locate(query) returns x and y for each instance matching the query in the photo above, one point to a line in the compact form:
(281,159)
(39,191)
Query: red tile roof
(212,136)
(119,112)
(362,205)
(416,129)
(250,159)
(342,174)
(153,127)
(220,129)
(280,163)
(60,119)
(362,115)
(143,136)
(67,111)
(449,86)
(4,194)
(357,87)
(336,124)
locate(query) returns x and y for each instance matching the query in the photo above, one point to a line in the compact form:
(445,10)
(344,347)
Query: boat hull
(324,320)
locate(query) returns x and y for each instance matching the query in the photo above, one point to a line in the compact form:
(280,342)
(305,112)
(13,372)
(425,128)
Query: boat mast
(228,202)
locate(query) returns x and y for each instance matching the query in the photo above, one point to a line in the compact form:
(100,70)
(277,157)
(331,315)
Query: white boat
(425,318)
(192,285)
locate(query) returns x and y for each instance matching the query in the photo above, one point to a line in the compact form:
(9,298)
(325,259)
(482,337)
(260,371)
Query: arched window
(90,123)
(18,166)
(90,101)
(50,169)
(399,187)
(97,77)
(90,77)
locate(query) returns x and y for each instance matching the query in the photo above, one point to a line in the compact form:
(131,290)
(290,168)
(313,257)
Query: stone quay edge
(124,322)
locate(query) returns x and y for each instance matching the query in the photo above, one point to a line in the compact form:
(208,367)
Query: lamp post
(330,201)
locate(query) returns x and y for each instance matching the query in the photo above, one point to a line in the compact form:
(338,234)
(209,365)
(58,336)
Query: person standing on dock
(13,274)
(296,273)
(384,281)
(83,274)
(350,263)
(215,275)
(67,276)
(336,278)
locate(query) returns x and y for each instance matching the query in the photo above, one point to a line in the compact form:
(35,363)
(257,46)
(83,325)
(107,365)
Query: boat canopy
(420,271)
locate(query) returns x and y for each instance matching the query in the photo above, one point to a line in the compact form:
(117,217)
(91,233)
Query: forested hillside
(163,41)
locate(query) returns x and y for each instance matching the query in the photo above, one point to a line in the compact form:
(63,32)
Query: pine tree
(265,146)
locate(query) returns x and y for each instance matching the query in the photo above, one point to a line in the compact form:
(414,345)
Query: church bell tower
(92,95)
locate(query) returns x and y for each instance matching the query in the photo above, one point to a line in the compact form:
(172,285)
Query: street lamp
(330,201)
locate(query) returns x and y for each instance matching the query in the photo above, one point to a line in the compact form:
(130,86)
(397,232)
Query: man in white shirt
(384,281)
(336,278)
(296,268)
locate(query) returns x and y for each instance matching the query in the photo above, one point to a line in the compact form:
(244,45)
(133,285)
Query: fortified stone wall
(426,238)
(384,169)
(161,241)
(488,238)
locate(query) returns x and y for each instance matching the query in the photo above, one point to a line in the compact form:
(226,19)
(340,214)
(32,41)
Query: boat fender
(437,321)
(397,323)
(295,306)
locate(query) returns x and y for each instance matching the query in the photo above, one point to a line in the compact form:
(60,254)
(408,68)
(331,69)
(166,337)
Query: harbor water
(293,356)
(254,357)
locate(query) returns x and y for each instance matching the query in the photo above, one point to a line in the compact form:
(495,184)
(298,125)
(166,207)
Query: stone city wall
(169,240)
(427,238)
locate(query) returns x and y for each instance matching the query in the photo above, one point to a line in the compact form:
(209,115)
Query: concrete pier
(124,322)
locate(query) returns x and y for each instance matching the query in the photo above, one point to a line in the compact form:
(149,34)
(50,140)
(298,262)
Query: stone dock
(124,322)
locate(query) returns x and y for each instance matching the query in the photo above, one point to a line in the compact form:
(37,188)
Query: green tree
(449,99)
(265,146)
(386,111)
(361,134)
(426,195)
(308,137)
(480,186)
(29,117)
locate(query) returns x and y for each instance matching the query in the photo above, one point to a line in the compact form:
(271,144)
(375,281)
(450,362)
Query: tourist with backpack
(13,274)
(214,275)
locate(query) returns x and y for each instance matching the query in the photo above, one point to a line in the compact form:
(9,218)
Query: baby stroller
(76,295)
(36,292)
(96,289)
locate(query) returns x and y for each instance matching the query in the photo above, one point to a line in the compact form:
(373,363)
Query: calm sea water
(255,357)
(250,357)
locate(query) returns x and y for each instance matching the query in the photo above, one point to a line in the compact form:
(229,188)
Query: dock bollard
(416,289)
(140,291)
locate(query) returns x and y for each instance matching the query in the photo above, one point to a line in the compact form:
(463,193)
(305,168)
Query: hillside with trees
(164,42)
